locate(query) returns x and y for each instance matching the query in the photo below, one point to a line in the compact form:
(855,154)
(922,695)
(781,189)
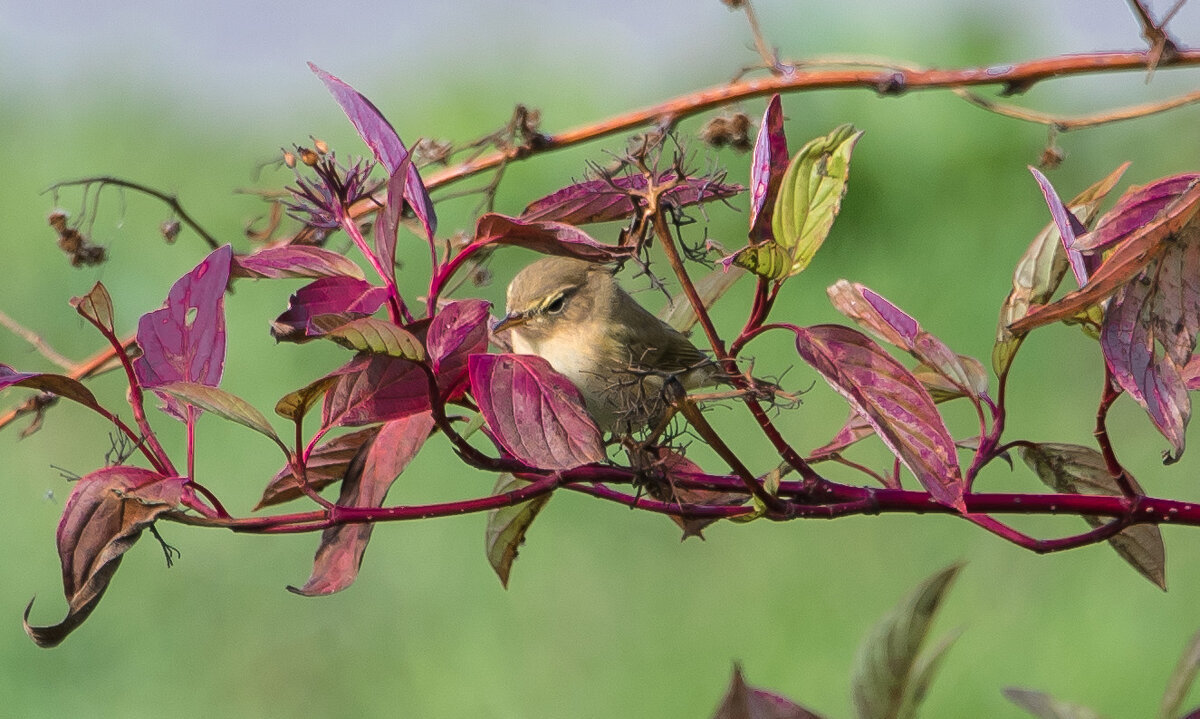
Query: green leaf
(96,307)
(368,334)
(1044,706)
(923,672)
(296,404)
(1041,269)
(887,660)
(810,195)
(1181,679)
(222,404)
(1075,469)
(506,526)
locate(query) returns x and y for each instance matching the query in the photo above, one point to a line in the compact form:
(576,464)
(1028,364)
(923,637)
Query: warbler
(573,314)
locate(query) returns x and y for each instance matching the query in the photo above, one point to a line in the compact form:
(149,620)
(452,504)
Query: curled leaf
(506,526)
(535,413)
(96,307)
(103,518)
(1074,469)
(1041,269)
(545,236)
(294,405)
(768,164)
(884,666)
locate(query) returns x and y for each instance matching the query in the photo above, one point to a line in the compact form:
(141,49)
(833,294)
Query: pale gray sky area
(254,52)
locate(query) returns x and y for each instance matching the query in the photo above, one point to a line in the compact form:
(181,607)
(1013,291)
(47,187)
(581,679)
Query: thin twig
(170,200)
(39,344)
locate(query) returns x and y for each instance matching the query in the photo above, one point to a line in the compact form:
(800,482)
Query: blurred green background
(607,614)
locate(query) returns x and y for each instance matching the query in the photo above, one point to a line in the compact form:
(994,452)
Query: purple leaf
(294,261)
(742,701)
(535,413)
(1068,226)
(58,384)
(891,400)
(770,161)
(1159,308)
(1126,261)
(185,340)
(1137,207)
(671,465)
(1040,270)
(340,553)
(375,388)
(327,463)
(456,332)
(547,237)
(344,296)
(876,314)
(387,222)
(103,518)
(606,200)
(385,143)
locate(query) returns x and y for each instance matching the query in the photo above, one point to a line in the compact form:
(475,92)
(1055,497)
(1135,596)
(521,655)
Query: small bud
(1052,157)
(289,159)
(170,230)
(321,145)
(308,157)
(732,130)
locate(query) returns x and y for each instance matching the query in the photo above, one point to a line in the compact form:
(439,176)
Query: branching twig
(170,200)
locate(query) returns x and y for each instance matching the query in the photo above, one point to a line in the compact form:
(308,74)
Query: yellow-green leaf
(810,194)
(368,334)
(220,403)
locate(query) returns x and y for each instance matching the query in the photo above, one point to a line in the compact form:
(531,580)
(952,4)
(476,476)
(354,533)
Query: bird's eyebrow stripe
(549,299)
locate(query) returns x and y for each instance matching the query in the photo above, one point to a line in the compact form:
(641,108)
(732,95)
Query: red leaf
(456,332)
(375,388)
(294,261)
(1137,207)
(340,553)
(608,199)
(769,162)
(104,516)
(1069,226)
(891,400)
(96,307)
(673,465)
(1125,262)
(552,238)
(384,142)
(876,314)
(327,464)
(387,222)
(743,701)
(535,413)
(185,340)
(1160,307)
(343,296)
(58,384)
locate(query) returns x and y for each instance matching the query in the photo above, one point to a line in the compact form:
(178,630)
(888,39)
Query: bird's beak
(512,319)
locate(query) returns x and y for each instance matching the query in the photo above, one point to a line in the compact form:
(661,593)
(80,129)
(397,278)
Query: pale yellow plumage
(575,315)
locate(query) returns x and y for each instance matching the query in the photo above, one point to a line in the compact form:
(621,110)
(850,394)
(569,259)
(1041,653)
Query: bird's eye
(556,305)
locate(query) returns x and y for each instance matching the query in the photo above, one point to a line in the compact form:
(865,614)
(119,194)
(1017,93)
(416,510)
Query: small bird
(573,314)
